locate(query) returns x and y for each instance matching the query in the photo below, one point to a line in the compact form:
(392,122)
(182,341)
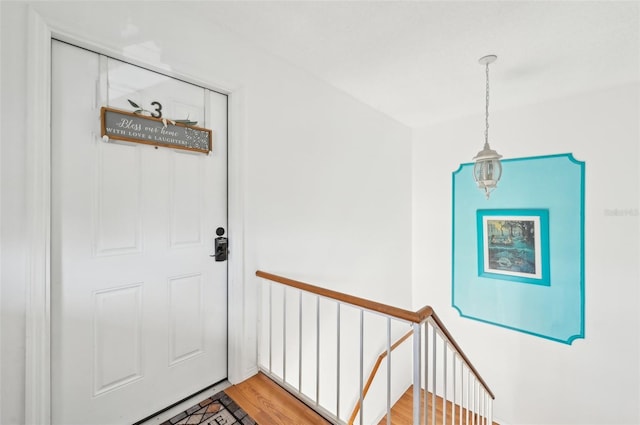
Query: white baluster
(338,361)
(416,373)
(300,341)
(388,371)
(284,335)
(491,411)
(426,372)
(473,403)
(444,394)
(461,390)
(469,389)
(486,408)
(481,397)
(361,366)
(453,405)
(317,350)
(270,324)
(434,368)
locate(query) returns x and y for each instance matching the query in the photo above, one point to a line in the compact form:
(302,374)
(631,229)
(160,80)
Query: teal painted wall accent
(554,183)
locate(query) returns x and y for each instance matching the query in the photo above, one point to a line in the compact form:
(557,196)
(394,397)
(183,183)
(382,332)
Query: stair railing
(314,365)
(374,371)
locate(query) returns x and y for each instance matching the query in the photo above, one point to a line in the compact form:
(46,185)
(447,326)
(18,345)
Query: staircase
(402,411)
(318,344)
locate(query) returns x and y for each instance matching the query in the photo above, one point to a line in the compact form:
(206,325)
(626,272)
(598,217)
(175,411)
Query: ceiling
(417,61)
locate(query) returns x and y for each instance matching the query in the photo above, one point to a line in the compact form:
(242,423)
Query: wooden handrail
(399,313)
(418,316)
(373,372)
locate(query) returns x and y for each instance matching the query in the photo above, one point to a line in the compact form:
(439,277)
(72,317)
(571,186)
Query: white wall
(12,214)
(536,381)
(328,180)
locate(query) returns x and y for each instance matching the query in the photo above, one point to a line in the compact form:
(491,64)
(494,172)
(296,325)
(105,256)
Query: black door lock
(221,246)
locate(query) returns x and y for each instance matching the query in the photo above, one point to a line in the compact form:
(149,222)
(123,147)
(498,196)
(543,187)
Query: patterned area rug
(216,410)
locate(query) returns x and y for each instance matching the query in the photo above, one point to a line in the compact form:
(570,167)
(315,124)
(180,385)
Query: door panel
(185,178)
(118,337)
(118,226)
(186,338)
(132,238)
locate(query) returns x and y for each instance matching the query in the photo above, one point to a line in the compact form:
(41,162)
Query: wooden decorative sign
(136,128)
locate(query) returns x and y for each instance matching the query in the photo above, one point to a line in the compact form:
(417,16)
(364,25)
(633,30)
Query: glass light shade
(487,170)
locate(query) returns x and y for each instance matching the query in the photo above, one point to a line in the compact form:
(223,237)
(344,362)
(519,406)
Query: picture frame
(513,245)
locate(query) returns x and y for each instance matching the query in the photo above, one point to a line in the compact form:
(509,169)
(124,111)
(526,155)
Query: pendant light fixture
(487,169)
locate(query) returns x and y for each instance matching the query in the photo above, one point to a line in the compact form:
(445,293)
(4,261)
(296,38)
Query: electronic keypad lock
(221,246)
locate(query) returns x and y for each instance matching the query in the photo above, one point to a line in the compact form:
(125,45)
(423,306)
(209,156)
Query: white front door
(139,306)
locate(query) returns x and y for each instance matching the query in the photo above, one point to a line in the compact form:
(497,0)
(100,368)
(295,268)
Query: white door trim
(38,198)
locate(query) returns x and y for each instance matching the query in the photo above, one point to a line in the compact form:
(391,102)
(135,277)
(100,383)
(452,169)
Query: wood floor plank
(402,411)
(269,404)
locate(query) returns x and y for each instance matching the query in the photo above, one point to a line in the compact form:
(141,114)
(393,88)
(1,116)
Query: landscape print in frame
(514,245)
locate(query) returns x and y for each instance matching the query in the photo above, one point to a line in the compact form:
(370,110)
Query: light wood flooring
(402,412)
(269,404)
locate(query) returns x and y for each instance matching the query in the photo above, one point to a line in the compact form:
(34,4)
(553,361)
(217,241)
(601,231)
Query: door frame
(38,206)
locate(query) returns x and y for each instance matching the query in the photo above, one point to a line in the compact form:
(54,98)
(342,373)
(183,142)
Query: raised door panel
(118,197)
(185,199)
(118,337)
(186,325)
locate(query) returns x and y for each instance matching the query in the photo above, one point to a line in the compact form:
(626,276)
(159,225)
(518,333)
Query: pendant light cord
(486,112)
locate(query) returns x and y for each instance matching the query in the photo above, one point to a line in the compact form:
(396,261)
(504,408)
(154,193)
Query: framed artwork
(514,245)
